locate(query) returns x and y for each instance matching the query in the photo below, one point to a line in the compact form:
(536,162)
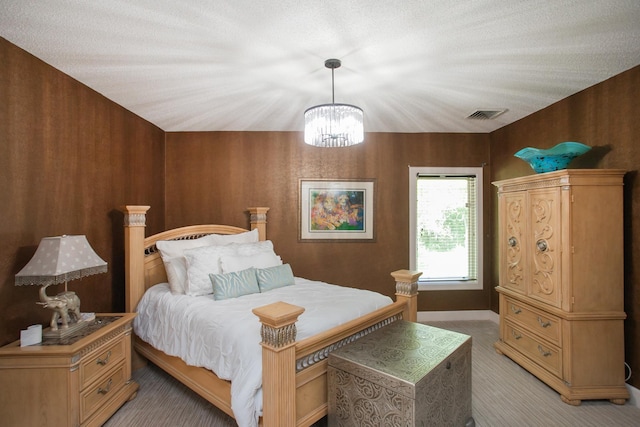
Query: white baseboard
(443,316)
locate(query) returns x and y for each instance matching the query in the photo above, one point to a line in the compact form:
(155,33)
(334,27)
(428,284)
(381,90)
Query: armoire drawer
(537,321)
(543,353)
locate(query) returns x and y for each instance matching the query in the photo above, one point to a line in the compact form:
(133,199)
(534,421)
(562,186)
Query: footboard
(294,374)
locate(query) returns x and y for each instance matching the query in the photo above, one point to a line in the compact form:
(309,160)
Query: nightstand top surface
(103,324)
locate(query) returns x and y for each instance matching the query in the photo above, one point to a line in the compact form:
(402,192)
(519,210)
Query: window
(445,210)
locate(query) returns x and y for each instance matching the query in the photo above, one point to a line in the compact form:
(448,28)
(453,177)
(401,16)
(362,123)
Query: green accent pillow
(236,284)
(274,277)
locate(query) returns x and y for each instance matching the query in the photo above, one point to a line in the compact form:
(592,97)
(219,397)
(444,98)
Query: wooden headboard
(143,265)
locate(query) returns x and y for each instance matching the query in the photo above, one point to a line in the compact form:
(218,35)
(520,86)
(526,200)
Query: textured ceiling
(251,65)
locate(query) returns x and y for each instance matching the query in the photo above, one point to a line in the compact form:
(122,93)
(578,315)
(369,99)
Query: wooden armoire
(561,280)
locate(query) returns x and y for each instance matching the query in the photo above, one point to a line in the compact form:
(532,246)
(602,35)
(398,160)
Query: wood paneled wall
(215,176)
(68,158)
(605,118)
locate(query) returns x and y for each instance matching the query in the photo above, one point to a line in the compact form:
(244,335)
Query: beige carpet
(503,395)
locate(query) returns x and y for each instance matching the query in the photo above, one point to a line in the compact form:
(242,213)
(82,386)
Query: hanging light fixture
(333,125)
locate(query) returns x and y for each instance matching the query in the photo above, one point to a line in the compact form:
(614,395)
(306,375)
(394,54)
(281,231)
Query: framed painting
(334,210)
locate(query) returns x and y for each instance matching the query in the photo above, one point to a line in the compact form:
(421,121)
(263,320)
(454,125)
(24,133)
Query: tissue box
(30,336)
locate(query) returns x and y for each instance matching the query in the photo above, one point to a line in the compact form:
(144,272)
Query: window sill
(449,286)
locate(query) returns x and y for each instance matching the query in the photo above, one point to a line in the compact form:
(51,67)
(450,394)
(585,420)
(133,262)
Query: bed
(293,371)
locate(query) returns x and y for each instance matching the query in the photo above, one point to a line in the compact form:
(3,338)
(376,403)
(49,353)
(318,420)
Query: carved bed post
(278,363)
(259,220)
(407,291)
(134,225)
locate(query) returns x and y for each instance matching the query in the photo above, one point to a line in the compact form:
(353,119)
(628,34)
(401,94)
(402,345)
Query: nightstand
(80,380)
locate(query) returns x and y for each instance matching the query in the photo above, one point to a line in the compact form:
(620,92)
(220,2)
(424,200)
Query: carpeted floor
(504,394)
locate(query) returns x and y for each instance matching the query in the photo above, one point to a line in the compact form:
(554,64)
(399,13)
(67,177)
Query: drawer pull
(543,323)
(543,352)
(104,361)
(107,388)
(516,310)
(516,335)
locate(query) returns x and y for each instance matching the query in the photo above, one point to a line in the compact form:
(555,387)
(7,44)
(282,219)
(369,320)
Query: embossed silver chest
(405,374)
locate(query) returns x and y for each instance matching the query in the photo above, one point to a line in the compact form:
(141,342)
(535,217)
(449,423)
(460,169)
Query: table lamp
(58,260)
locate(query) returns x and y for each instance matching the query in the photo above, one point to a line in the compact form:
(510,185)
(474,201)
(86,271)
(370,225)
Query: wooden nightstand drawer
(96,396)
(97,364)
(544,354)
(543,324)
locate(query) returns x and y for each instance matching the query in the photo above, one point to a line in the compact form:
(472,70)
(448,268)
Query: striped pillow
(235,284)
(274,277)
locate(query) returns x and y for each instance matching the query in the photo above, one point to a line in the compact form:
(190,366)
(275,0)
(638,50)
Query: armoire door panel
(512,241)
(545,245)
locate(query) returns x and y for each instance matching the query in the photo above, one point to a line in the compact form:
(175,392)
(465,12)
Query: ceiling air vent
(485,114)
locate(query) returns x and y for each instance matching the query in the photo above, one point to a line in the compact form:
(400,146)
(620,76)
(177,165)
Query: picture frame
(336,210)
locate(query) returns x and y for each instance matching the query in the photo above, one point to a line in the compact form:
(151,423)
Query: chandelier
(333,125)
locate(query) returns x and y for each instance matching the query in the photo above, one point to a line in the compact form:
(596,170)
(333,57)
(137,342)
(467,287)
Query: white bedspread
(224,336)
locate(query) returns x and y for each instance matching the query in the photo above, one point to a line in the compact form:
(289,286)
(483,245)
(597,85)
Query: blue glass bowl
(552,159)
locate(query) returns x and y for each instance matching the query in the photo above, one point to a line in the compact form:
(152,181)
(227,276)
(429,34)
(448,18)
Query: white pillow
(226,239)
(172,252)
(203,261)
(246,249)
(231,263)
(176,248)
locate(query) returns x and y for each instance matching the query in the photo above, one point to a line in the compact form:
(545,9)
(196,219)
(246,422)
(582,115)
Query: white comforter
(224,336)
